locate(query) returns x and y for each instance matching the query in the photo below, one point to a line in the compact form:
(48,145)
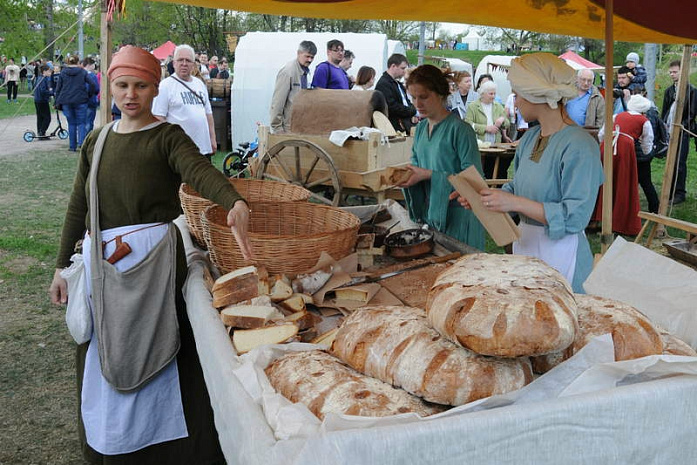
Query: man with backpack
(328,74)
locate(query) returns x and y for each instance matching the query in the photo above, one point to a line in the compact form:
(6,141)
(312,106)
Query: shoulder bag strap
(96,232)
(200,99)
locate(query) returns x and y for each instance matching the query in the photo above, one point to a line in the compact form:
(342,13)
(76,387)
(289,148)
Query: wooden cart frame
(358,167)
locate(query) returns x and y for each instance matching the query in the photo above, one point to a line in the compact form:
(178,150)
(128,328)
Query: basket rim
(214,225)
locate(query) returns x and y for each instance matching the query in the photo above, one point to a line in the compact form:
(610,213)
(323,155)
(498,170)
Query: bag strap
(96,232)
(200,99)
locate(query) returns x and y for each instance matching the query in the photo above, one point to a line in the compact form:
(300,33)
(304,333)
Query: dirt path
(12,130)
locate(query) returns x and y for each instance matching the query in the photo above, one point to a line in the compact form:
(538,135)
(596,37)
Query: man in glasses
(328,74)
(183,100)
(588,109)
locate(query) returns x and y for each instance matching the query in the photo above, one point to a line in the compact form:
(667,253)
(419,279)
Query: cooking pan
(409,243)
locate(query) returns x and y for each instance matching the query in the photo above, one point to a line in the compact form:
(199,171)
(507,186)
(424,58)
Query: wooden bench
(653,220)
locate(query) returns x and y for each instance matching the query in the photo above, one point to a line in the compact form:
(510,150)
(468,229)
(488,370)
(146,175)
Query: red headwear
(134,61)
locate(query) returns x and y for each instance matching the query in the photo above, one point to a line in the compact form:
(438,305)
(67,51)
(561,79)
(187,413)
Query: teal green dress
(450,148)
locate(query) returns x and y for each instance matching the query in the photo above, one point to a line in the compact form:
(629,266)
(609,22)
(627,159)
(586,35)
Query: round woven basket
(285,237)
(253,190)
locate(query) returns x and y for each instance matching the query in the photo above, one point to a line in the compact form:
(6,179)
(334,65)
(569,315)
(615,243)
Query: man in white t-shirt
(183,100)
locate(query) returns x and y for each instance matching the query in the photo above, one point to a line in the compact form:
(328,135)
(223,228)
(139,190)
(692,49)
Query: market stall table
(648,422)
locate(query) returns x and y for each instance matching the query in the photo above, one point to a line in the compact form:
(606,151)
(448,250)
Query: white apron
(559,254)
(116,422)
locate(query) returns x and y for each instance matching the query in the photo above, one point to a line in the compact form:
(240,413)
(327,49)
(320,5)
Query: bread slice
(240,285)
(295,303)
(303,319)
(281,291)
(326,339)
(248,316)
(313,282)
(245,340)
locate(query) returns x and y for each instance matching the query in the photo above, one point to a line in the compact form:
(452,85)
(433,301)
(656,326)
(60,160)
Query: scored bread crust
(673,345)
(503,305)
(633,334)
(325,384)
(398,346)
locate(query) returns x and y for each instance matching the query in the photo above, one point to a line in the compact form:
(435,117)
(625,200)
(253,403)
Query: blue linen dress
(565,180)
(450,148)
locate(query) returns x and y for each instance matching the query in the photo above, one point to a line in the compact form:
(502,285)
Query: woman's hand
(498,200)
(492,129)
(58,289)
(460,199)
(238,220)
(418,174)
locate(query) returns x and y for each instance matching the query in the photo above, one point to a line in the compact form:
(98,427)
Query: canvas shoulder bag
(135,318)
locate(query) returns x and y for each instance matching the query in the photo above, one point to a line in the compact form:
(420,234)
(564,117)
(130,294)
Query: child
(42,97)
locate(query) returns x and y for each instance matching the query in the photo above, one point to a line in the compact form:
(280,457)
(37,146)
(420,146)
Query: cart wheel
(315,171)
(29,136)
(63,134)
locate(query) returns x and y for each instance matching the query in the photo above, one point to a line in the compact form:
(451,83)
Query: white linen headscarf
(639,104)
(542,78)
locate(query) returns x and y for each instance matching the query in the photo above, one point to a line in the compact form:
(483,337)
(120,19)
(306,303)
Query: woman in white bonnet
(557,171)
(631,165)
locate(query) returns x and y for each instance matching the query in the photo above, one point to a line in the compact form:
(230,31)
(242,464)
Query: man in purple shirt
(328,74)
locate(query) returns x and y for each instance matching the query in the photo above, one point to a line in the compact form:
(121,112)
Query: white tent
(259,56)
(475,41)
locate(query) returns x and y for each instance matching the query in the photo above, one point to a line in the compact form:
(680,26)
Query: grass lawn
(23,107)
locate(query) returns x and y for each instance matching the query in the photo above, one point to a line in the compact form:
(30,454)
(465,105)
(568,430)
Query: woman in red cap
(165,415)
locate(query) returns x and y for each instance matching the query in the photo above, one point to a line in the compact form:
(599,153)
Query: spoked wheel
(63,134)
(305,164)
(29,136)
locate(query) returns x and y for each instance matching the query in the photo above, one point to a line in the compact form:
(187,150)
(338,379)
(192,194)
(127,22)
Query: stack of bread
(258,309)
(489,320)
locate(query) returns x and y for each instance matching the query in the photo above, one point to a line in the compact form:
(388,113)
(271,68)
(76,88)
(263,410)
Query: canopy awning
(164,50)
(667,21)
(576,61)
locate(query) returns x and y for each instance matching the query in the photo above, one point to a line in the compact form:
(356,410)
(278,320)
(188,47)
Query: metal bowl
(410,243)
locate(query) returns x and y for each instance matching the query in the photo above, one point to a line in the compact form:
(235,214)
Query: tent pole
(675,131)
(606,237)
(105,60)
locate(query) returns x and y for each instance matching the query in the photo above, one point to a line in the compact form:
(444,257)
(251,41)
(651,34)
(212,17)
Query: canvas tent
(164,50)
(259,56)
(576,61)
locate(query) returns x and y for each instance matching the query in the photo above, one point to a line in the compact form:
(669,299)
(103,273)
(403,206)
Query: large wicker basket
(253,190)
(285,237)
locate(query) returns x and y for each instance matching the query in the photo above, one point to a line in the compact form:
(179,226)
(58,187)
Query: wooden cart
(332,172)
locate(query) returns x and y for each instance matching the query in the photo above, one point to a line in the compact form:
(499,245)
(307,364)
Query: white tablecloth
(651,422)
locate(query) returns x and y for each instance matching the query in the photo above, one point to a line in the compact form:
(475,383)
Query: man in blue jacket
(42,97)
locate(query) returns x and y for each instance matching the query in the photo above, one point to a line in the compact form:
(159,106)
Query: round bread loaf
(325,384)
(503,305)
(633,335)
(398,346)
(673,345)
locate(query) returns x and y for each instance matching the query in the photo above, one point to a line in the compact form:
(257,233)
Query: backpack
(660,134)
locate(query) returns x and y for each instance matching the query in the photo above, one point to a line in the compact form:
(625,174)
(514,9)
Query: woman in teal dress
(557,171)
(443,145)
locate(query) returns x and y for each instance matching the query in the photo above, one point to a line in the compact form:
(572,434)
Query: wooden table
(498,151)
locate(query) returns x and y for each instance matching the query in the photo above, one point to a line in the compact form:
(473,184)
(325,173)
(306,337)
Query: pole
(104,60)
(606,237)
(650,65)
(675,131)
(80,35)
(422,43)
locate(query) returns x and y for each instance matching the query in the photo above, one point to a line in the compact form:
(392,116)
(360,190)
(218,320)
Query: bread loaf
(633,335)
(398,346)
(324,384)
(503,305)
(673,345)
